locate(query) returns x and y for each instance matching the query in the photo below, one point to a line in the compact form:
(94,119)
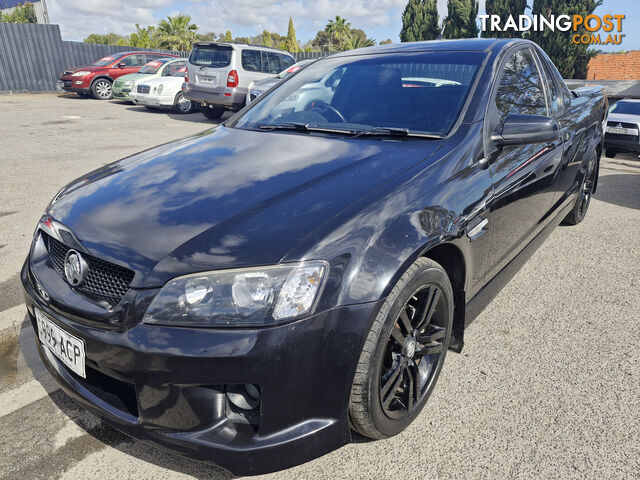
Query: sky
(380,19)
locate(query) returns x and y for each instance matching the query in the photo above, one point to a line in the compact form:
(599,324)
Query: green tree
(351,42)
(206,37)
(570,59)
(386,42)
(24,13)
(227,36)
(106,39)
(504,8)
(267,40)
(292,42)
(322,41)
(461,19)
(176,33)
(338,29)
(144,37)
(420,21)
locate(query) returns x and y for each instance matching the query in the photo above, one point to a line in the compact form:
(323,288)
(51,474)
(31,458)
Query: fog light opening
(244,396)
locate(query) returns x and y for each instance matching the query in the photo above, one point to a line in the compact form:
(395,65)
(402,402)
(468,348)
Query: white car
(163,92)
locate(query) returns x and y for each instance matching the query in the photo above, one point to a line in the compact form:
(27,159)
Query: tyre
(610,153)
(212,113)
(101,89)
(404,352)
(182,105)
(579,211)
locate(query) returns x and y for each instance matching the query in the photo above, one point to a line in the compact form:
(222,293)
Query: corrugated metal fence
(32,56)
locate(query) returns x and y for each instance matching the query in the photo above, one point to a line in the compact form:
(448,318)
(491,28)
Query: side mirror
(121,64)
(525,130)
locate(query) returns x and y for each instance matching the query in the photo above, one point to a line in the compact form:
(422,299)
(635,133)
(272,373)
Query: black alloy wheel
(412,352)
(404,352)
(586,193)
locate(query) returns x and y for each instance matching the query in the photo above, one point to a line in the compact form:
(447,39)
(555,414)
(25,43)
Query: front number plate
(619,131)
(69,349)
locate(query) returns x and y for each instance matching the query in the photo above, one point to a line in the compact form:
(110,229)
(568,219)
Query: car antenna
(441,36)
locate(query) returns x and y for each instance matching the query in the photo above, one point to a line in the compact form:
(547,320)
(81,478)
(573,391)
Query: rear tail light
(186,79)
(232,79)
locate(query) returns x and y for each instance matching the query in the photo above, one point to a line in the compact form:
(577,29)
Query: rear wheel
(182,105)
(610,153)
(404,352)
(101,89)
(212,113)
(583,201)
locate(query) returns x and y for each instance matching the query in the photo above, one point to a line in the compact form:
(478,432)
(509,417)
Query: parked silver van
(219,74)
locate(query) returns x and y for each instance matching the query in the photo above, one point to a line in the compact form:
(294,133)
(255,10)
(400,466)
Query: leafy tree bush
(420,21)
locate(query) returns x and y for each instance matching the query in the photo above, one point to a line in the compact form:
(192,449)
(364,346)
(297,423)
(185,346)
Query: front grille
(67,83)
(104,279)
(144,88)
(622,125)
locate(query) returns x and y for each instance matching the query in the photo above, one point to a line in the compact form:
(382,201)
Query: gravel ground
(548,385)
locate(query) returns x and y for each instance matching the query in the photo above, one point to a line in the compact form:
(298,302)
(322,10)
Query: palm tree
(177,33)
(351,42)
(338,28)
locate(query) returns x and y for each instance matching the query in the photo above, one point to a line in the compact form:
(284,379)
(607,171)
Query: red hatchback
(96,80)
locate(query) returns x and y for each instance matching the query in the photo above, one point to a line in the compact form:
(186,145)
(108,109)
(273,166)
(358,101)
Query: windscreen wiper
(305,127)
(396,132)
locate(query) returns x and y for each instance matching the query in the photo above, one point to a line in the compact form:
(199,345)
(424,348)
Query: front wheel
(212,113)
(610,153)
(583,201)
(101,89)
(182,105)
(404,352)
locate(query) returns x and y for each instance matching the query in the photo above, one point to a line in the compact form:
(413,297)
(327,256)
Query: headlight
(81,74)
(153,90)
(160,87)
(251,297)
(127,84)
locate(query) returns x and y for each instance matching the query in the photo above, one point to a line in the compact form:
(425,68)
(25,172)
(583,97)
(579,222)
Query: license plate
(207,79)
(68,348)
(616,130)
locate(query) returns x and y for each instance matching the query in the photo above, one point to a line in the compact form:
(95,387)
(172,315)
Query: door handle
(477,230)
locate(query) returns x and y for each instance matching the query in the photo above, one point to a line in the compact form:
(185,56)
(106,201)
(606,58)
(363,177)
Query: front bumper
(162,384)
(121,93)
(152,100)
(621,145)
(74,84)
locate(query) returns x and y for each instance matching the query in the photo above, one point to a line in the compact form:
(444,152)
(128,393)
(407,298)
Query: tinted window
(554,100)
(520,88)
(272,64)
(133,60)
(215,56)
(631,108)
(286,61)
(152,67)
(251,60)
(423,92)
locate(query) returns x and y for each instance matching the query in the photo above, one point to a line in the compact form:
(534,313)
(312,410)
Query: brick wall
(615,66)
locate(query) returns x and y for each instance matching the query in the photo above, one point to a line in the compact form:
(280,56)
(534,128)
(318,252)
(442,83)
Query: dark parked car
(623,125)
(251,294)
(261,86)
(96,80)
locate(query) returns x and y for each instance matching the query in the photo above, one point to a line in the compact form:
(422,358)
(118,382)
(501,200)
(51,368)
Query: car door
(521,174)
(130,64)
(251,61)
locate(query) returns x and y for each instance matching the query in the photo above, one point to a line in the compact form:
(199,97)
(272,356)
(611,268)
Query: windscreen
(214,56)
(631,108)
(421,92)
(152,67)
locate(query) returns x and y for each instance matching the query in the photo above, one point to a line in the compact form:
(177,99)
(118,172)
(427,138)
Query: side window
(286,61)
(520,88)
(554,101)
(172,68)
(134,60)
(251,60)
(272,64)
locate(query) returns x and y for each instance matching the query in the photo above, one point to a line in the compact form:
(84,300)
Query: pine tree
(228,37)
(570,59)
(267,40)
(461,19)
(504,8)
(292,42)
(420,21)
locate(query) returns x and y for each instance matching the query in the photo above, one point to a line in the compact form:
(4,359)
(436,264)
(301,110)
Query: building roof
(613,88)
(615,66)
